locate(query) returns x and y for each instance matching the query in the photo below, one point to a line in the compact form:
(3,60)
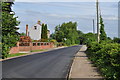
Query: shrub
(106,56)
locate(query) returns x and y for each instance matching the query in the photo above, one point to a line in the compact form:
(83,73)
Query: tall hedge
(106,56)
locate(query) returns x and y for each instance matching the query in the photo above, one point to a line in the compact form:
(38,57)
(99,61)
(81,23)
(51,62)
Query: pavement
(82,67)
(51,64)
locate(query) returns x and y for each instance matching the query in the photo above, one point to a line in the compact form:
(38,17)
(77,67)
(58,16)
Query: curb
(69,74)
(70,66)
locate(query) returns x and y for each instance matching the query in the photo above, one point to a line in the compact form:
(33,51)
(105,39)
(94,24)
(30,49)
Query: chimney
(39,22)
(26,29)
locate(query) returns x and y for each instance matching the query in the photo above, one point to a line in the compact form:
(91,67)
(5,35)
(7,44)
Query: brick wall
(14,50)
(24,48)
(32,46)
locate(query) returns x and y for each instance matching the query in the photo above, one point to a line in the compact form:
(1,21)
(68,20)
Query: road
(51,64)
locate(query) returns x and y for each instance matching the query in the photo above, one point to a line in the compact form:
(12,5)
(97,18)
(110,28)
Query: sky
(55,13)
(66,0)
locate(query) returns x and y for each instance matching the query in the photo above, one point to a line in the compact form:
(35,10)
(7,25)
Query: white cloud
(111,18)
(60,16)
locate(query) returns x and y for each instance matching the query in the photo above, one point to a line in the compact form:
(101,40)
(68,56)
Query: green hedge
(106,56)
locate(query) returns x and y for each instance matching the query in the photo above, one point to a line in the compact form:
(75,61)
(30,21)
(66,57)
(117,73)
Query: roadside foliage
(106,56)
(9,29)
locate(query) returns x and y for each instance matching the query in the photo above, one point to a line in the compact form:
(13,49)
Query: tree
(10,36)
(45,29)
(116,40)
(22,34)
(88,38)
(103,35)
(44,37)
(67,32)
(42,32)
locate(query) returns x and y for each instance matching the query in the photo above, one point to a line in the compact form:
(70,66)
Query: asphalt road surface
(51,64)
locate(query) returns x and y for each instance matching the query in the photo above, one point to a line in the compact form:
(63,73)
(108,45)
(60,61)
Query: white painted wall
(35,34)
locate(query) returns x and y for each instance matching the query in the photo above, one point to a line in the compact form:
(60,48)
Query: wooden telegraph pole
(93,26)
(98,34)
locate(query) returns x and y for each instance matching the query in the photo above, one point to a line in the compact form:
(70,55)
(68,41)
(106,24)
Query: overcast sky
(55,13)
(66,0)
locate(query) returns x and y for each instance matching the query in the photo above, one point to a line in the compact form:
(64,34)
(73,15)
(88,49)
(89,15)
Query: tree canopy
(67,32)
(10,35)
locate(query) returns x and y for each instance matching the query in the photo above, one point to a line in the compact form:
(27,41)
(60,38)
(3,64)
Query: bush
(116,40)
(106,56)
(68,42)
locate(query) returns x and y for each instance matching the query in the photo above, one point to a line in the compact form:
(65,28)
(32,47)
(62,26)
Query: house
(48,33)
(34,32)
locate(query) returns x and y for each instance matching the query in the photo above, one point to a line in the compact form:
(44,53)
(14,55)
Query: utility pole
(98,34)
(93,26)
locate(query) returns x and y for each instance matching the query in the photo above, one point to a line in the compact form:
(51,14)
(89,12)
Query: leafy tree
(103,35)
(52,36)
(67,32)
(22,34)
(116,40)
(87,38)
(10,36)
(68,42)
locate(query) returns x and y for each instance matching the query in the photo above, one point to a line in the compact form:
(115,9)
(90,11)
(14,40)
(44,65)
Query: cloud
(56,13)
(110,18)
(61,16)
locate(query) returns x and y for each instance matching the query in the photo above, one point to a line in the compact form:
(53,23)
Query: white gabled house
(35,31)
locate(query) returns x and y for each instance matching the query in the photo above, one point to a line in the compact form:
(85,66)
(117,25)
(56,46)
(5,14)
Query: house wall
(42,45)
(35,34)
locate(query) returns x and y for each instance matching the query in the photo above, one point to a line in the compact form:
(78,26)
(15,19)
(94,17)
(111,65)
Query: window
(41,43)
(35,27)
(38,44)
(34,44)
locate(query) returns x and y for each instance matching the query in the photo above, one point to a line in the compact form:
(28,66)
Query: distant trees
(44,36)
(88,38)
(9,30)
(67,33)
(116,40)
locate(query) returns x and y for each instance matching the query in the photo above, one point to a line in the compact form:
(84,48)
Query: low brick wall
(32,46)
(24,48)
(14,50)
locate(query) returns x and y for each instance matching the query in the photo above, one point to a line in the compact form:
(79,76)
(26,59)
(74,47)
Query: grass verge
(39,50)
(17,54)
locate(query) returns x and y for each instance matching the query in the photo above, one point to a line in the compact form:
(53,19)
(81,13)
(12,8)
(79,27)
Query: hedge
(106,56)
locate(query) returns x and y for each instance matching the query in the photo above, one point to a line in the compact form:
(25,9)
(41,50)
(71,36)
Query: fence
(29,46)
